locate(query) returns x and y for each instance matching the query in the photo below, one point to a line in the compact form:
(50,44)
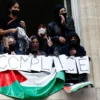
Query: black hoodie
(56,29)
(74,78)
(57,17)
(66,49)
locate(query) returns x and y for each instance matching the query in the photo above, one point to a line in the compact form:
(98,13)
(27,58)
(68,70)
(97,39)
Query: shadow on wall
(33,12)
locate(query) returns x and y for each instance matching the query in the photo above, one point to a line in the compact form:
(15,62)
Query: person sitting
(74,49)
(34,46)
(9,45)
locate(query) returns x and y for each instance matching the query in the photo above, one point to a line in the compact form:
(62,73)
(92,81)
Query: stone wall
(90,34)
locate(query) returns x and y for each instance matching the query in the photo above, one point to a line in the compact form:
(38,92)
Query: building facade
(86,14)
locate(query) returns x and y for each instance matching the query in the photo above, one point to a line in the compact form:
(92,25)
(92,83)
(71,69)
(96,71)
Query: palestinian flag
(76,87)
(18,84)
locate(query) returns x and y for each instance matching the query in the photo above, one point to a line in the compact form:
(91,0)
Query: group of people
(58,37)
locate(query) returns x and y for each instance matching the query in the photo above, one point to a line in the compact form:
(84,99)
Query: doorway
(36,12)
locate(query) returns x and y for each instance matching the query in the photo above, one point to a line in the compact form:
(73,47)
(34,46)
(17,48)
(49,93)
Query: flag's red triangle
(8,77)
(67,88)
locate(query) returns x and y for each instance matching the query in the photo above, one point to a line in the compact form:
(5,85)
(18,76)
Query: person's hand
(73,52)
(62,39)
(22,23)
(45,36)
(13,30)
(62,19)
(49,42)
(13,53)
(5,42)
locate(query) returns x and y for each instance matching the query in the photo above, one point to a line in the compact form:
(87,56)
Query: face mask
(73,43)
(15,12)
(64,14)
(41,31)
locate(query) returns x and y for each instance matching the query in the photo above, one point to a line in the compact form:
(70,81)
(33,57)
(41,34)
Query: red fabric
(10,76)
(67,88)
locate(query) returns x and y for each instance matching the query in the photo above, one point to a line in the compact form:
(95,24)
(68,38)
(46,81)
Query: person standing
(9,23)
(59,29)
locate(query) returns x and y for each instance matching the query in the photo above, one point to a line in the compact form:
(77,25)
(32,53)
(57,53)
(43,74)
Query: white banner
(83,64)
(68,63)
(43,63)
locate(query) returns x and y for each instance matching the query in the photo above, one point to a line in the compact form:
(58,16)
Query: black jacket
(66,50)
(74,78)
(55,30)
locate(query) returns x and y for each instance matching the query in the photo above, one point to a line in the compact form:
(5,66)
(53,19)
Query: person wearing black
(74,49)
(44,41)
(42,35)
(9,23)
(59,29)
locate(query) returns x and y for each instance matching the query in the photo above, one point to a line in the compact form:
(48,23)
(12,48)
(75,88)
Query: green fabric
(17,91)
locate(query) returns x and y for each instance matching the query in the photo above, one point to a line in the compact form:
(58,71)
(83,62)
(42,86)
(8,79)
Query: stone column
(90,33)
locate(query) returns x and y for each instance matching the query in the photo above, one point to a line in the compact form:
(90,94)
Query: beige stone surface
(90,34)
(98,93)
(3,97)
(83,94)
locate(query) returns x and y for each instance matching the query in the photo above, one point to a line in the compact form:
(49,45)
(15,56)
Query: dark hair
(42,25)
(34,37)
(11,3)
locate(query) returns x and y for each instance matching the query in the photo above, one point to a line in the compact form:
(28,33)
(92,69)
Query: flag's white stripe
(79,86)
(38,79)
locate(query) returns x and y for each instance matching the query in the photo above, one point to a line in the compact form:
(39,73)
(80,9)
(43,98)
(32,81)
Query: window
(67,4)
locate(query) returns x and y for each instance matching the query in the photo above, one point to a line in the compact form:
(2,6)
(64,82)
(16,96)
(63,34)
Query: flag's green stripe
(13,90)
(18,91)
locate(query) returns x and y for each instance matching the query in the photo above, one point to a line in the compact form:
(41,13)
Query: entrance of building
(36,12)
